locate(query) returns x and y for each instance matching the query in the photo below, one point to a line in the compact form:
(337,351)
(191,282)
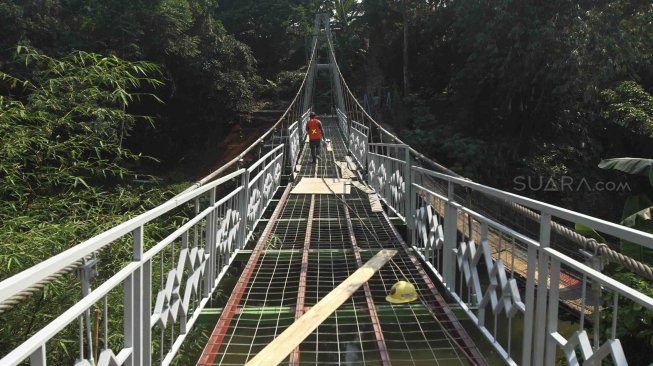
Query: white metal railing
(304,120)
(388,174)
(481,261)
(358,140)
(164,287)
(342,121)
(263,180)
(165,298)
(293,144)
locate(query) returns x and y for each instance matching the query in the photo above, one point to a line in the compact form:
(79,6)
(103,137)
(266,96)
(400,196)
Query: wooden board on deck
(322,186)
(345,172)
(375,202)
(277,350)
(351,163)
(362,187)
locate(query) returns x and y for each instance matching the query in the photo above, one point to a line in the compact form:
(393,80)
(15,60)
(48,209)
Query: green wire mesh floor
(327,238)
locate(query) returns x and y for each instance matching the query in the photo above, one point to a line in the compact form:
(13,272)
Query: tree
(275,30)
(638,209)
(631,107)
(62,125)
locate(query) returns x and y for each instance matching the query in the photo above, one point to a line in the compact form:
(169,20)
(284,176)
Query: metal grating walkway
(311,244)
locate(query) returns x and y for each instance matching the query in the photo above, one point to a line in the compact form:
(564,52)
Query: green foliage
(175,20)
(346,12)
(275,30)
(630,106)
(525,77)
(631,166)
(285,85)
(635,323)
(62,127)
(459,151)
(588,232)
(63,173)
(638,209)
(637,214)
(208,73)
(51,224)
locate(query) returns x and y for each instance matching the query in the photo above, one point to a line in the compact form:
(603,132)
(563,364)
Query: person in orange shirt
(315,135)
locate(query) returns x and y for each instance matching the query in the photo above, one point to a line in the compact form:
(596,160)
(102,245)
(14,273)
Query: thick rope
(18,298)
(603,249)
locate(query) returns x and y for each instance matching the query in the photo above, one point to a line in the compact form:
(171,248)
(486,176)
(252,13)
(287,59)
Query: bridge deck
(311,243)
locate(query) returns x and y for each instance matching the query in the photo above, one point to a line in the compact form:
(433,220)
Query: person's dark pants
(315,148)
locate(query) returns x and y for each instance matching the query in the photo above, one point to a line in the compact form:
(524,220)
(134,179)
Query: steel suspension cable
(579,239)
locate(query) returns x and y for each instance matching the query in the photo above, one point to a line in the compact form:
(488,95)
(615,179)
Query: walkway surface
(310,244)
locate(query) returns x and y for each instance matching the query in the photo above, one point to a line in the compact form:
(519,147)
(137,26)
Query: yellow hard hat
(402,292)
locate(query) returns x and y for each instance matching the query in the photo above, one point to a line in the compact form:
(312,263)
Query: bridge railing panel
(264,178)
(159,286)
(388,174)
(303,121)
(293,145)
(511,284)
(342,121)
(358,140)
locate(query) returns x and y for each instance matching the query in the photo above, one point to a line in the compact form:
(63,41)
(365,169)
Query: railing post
(38,358)
(146,313)
(409,199)
(210,269)
(552,314)
(527,350)
(134,306)
(542,283)
(242,207)
(450,239)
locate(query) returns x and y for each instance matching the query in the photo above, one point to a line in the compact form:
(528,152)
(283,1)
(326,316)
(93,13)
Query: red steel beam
(376,324)
(301,291)
(217,336)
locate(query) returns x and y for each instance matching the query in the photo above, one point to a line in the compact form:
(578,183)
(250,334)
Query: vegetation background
(107,108)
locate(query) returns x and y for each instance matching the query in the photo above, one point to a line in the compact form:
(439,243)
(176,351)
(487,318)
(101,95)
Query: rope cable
(612,255)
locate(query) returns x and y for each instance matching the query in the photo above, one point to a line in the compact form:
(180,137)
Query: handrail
(23,280)
(635,236)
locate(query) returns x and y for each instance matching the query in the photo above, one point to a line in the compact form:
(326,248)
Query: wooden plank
(363,187)
(322,186)
(351,163)
(344,170)
(375,203)
(277,350)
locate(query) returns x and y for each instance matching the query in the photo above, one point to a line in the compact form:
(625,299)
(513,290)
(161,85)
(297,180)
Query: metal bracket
(86,272)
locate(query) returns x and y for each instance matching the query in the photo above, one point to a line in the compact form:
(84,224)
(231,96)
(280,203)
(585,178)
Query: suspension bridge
(491,269)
